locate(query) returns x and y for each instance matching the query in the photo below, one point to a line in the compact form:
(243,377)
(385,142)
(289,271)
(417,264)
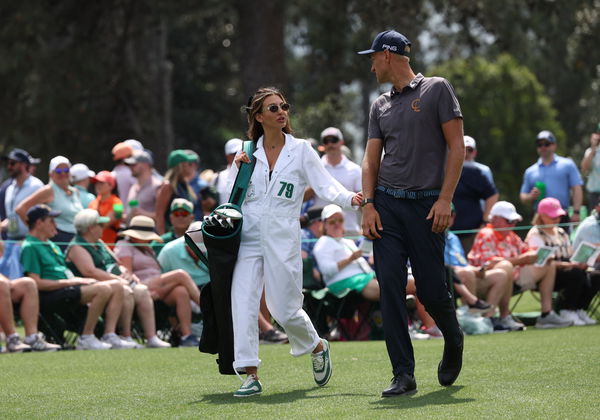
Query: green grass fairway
(552,374)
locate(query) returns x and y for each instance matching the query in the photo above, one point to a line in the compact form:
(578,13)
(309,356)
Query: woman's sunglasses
(180,213)
(332,139)
(62,170)
(274,108)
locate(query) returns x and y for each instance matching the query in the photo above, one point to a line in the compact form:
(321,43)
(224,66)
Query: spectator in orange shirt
(105,203)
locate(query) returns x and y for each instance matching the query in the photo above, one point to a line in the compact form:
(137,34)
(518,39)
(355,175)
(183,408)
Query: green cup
(542,187)
(118,209)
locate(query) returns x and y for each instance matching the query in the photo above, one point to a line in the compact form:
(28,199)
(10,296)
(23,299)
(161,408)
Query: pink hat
(550,207)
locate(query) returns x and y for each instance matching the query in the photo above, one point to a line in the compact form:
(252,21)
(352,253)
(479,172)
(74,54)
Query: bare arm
(42,196)
(371,222)
(45,285)
(577,198)
(85,264)
(489,202)
(162,201)
(440,212)
(588,158)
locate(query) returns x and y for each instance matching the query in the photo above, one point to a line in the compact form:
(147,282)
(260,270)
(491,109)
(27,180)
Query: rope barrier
(456,232)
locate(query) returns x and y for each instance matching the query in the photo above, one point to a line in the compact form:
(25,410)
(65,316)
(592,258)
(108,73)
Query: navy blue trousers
(407,235)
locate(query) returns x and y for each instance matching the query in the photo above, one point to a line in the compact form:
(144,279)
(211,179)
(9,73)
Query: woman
(340,261)
(107,204)
(175,288)
(175,185)
(269,255)
(571,278)
(59,196)
(88,256)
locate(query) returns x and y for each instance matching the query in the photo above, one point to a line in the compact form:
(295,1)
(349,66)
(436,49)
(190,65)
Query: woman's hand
(356,254)
(241,157)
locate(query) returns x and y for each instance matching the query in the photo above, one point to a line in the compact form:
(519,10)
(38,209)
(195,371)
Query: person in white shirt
(340,261)
(344,171)
(220,181)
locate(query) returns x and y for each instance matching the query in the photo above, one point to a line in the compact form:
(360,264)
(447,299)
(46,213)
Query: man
(21,186)
(471,154)
(59,290)
(180,216)
(590,165)
(552,176)
(80,179)
(343,170)
(497,244)
(407,198)
(473,187)
(121,171)
(23,292)
(141,199)
(220,182)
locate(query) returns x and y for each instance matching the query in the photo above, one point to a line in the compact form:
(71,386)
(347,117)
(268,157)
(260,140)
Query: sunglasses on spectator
(180,213)
(543,144)
(274,107)
(332,139)
(335,221)
(62,170)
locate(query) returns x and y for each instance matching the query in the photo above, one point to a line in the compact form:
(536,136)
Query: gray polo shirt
(410,124)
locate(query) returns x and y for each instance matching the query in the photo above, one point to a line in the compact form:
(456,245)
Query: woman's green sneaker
(251,386)
(322,366)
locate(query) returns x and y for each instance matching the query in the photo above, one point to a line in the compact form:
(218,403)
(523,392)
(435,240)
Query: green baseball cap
(182,204)
(179,156)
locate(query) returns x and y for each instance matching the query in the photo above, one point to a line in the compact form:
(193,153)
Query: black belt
(411,195)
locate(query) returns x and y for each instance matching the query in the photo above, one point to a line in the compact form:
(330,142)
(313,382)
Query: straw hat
(142,228)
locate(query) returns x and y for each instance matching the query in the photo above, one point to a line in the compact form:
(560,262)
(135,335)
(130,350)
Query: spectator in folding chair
(88,256)
(175,288)
(60,290)
(576,288)
(340,261)
(496,243)
(22,291)
(312,229)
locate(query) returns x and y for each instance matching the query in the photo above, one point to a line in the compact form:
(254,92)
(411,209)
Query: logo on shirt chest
(416,105)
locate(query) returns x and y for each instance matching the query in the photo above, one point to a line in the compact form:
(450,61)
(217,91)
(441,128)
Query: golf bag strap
(238,193)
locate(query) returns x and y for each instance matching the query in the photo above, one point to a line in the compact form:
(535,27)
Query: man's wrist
(367,201)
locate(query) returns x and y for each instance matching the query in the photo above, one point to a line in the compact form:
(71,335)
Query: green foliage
(504,107)
(550,374)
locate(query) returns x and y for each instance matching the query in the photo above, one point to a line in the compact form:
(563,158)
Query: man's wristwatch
(367,201)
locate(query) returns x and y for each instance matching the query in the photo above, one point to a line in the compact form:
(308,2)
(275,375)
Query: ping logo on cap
(390,47)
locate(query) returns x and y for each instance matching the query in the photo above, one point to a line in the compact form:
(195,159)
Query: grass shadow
(268,398)
(442,396)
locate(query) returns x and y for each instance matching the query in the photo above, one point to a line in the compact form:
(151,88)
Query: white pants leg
(283,294)
(246,291)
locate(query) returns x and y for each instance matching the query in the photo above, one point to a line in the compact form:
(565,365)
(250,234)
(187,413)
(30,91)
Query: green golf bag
(222,245)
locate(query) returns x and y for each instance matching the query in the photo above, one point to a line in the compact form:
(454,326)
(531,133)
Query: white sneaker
(571,316)
(136,345)
(156,343)
(582,314)
(416,335)
(116,343)
(90,342)
(553,320)
(509,322)
(40,344)
(15,345)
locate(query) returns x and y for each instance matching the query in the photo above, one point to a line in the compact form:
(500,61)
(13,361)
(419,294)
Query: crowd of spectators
(109,244)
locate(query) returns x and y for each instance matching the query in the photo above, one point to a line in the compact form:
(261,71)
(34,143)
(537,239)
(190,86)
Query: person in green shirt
(59,289)
(88,255)
(181,216)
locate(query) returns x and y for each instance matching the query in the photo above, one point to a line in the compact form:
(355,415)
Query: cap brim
(103,219)
(369,51)
(35,161)
(55,213)
(130,161)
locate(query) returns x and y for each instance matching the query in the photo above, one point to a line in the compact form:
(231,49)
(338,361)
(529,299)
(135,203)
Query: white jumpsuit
(269,254)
